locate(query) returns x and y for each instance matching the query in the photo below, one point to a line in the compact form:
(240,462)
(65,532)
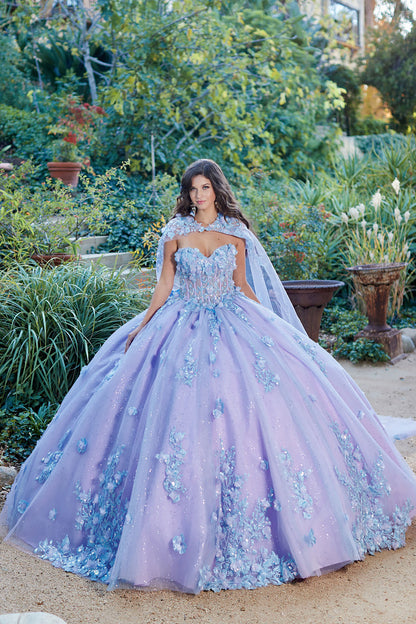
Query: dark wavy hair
(225,202)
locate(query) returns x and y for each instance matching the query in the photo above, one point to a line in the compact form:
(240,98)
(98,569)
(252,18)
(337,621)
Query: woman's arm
(239,275)
(162,290)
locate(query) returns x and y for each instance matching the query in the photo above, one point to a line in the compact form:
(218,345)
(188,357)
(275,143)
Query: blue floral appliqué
(219,409)
(52,458)
(173,462)
(310,538)
(82,446)
(101,518)
(297,478)
(178,544)
(311,350)
(242,558)
(263,374)
(189,370)
(373,530)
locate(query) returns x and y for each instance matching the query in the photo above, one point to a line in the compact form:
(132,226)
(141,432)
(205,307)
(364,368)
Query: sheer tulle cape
(260,273)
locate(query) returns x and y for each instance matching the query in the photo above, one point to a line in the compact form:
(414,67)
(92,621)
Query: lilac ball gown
(224,450)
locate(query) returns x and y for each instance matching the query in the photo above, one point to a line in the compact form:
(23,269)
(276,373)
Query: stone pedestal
(374,283)
(390,340)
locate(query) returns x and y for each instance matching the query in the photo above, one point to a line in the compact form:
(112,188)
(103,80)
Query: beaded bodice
(206,280)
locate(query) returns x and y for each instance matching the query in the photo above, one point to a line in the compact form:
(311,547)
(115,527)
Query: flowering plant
(75,129)
(378,234)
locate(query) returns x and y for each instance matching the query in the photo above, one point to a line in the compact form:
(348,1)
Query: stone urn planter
(68,172)
(309,298)
(374,282)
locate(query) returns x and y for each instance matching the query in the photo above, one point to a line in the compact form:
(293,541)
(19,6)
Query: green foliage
(376,143)
(14,83)
(360,350)
(289,220)
(48,218)
(365,126)
(52,322)
(20,429)
(391,68)
(344,324)
(346,79)
(129,221)
(27,133)
(242,88)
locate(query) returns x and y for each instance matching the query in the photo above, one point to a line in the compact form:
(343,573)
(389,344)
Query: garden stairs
(122,261)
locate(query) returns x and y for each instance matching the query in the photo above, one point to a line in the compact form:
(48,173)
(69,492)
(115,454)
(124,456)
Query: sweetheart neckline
(202,254)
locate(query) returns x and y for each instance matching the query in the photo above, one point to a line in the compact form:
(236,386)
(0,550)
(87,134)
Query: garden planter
(53,259)
(309,298)
(373,282)
(68,172)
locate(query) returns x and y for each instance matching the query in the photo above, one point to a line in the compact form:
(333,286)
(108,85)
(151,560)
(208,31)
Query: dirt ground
(379,590)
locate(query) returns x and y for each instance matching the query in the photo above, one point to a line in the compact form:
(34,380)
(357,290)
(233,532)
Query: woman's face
(201,193)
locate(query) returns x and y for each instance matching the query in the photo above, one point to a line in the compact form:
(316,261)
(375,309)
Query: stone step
(112,260)
(88,243)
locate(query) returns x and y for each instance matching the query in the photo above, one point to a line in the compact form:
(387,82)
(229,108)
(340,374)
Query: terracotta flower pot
(309,298)
(68,172)
(53,259)
(374,282)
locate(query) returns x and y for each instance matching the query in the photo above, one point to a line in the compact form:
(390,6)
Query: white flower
(408,255)
(381,237)
(396,185)
(406,216)
(371,255)
(354,213)
(390,236)
(363,223)
(361,209)
(376,200)
(397,216)
(375,228)
(344,217)
(369,232)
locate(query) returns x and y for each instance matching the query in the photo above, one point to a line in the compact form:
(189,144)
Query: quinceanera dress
(224,450)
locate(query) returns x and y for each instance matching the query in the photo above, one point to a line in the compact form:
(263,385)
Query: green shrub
(52,322)
(377,142)
(369,126)
(289,220)
(344,324)
(21,428)
(27,133)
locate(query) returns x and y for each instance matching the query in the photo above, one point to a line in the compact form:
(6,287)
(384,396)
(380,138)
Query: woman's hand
(132,335)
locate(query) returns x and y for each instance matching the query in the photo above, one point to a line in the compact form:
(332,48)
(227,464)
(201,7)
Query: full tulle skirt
(224,450)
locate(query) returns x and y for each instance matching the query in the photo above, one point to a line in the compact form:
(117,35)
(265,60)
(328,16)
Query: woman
(210,444)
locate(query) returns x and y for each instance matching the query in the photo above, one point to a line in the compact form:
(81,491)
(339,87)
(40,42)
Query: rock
(408,344)
(410,332)
(30,618)
(7,476)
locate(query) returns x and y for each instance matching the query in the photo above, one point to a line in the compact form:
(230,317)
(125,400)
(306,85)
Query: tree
(241,86)
(391,68)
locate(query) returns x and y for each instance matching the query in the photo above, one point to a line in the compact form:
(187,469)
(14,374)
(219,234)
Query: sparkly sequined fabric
(224,450)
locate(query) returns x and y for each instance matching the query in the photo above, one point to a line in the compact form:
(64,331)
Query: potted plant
(291,232)
(74,131)
(378,254)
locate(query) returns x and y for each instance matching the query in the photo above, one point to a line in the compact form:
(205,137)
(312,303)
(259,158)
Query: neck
(206,219)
